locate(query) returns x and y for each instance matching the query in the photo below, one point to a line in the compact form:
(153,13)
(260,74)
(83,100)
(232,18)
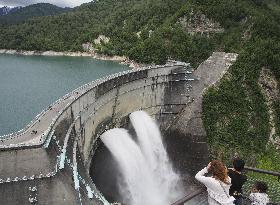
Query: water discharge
(147,174)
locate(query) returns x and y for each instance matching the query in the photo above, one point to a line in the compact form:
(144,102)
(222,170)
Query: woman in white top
(217,185)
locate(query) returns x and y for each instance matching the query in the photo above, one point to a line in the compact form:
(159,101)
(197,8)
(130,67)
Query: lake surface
(28,84)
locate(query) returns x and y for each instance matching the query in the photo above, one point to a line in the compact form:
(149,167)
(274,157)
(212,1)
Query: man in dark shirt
(237,180)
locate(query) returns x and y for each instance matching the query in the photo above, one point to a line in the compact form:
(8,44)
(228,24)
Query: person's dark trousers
(238,201)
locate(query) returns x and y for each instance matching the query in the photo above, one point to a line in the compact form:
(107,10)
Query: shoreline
(120,59)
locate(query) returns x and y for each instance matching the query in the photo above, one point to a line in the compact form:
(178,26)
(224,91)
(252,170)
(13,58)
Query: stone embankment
(121,59)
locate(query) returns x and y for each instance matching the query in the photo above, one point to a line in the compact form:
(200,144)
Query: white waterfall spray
(152,147)
(147,172)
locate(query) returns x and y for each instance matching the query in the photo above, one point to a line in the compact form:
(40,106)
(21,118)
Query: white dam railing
(84,88)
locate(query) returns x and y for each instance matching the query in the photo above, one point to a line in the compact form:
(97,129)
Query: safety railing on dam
(97,105)
(190,197)
(83,88)
(90,99)
(262,171)
(270,177)
(83,91)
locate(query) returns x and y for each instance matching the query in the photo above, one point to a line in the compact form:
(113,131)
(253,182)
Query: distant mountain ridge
(6,10)
(19,14)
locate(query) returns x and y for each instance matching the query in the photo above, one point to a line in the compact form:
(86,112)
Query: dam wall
(148,90)
(60,155)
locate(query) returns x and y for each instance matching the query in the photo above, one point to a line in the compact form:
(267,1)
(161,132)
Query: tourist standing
(237,180)
(217,185)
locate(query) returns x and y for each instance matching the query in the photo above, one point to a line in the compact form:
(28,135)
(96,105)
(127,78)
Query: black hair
(238,164)
(261,186)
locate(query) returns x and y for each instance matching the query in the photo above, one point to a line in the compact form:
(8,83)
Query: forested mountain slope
(20,14)
(155,21)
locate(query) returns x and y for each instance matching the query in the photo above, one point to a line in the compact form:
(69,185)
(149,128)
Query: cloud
(62,3)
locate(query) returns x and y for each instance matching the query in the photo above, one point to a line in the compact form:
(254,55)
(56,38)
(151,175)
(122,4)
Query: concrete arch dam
(59,159)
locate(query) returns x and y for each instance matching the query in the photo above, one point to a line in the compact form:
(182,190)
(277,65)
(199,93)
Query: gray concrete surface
(50,160)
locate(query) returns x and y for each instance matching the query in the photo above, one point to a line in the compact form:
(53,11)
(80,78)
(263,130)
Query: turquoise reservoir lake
(28,84)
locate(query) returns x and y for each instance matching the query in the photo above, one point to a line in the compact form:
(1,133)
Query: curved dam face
(57,165)
(163,93)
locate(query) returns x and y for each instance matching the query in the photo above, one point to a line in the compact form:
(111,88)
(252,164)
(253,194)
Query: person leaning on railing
(217,185)
(237,180)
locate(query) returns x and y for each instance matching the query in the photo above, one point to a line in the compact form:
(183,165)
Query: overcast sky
(61,3)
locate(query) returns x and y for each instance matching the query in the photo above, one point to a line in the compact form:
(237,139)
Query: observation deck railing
(189,197)
(262,171)
(266,172)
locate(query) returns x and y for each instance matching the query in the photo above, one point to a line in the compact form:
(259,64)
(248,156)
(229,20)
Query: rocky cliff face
(198,23)
(270,89)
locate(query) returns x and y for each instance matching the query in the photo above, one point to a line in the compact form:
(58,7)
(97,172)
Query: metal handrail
(188,197)
(200,191)
(262,171)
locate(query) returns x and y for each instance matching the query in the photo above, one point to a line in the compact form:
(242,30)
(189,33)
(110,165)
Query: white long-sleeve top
(259,198)
(216,193)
